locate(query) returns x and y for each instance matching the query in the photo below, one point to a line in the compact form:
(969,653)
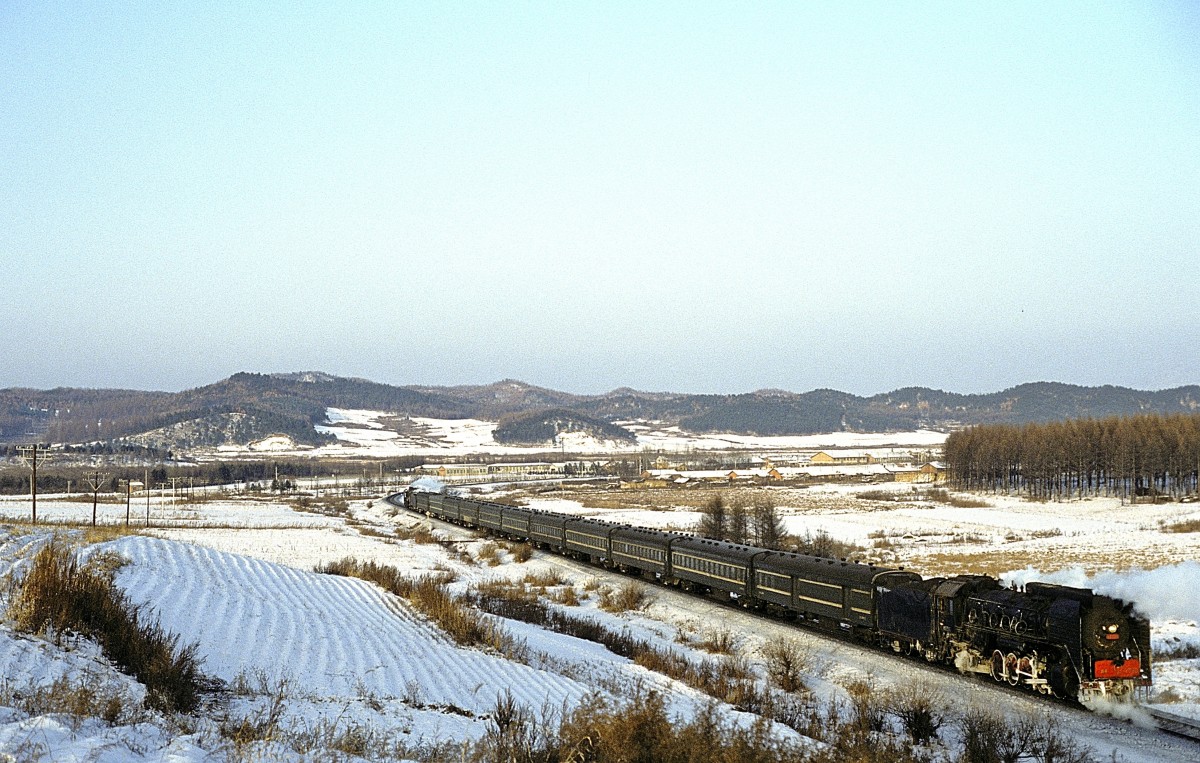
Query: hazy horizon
(681,391)
(716,198)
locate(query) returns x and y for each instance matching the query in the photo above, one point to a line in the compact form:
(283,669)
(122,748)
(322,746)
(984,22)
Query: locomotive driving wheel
(1010,669)
(998,665)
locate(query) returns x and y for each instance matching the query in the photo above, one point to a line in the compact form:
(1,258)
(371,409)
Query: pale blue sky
(703,197)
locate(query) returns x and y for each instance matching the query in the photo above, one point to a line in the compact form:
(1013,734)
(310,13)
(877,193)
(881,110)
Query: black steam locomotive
(1052,639)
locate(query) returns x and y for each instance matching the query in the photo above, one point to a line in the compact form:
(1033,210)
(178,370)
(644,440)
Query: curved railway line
(1177,726)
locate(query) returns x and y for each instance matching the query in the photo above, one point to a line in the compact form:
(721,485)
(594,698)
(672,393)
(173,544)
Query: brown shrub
(489,553)
(416,533)
(719,641)
(522,552)
(429,596)
(786,662)
(630,596)
(1181,651)
(991,738)
(565,596)
(58,595)
(1187,526)
(88,697)
(638,731)
(920,708)
(941,495)
(545,579)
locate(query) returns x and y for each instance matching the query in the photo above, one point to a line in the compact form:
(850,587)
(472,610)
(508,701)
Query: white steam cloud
(428,485)
(1166,593)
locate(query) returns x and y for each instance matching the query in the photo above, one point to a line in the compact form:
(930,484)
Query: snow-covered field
(379,434)
(338,654)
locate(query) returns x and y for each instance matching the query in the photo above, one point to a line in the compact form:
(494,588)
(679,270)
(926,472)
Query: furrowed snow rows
(325,635)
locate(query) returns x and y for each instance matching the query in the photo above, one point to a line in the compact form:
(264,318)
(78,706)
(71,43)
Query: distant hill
(247,407)
(541,427)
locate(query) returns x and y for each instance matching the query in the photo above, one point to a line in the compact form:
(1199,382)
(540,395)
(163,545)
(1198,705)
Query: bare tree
(766,524)
(737,527)
(713,518)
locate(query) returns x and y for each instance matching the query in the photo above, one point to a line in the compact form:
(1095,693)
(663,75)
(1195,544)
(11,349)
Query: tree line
(736,520)
(53,479)
(1130,457)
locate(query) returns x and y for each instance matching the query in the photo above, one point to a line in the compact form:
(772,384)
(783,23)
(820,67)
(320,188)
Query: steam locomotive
(1055,640)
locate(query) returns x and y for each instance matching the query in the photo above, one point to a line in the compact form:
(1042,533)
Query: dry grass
(332,507)
(630,596)
(85,697)
(879,495)
(566,596)
(1181,651)
(489,553)
(719,641)
(59,595)
(638,731)
(416,534)
(786,662)
(369,531)
(105,533)
(258,727)
(995,562)
(428,595)
(941,495)
(987,737)
(521,552)
(920,708)
(1186,526)
(822,544)
(98,534)
(545,579)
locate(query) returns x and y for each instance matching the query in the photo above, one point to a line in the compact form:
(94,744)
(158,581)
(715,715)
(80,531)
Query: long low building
(481,471)
(816,471)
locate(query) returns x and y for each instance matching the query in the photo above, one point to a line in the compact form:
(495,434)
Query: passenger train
(1054,640)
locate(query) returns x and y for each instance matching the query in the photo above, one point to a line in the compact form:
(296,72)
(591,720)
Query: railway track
(1175,725)
(1169,723)
(720,608)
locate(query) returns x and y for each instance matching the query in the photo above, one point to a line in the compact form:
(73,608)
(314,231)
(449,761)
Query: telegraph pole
(32,455)
(94,482)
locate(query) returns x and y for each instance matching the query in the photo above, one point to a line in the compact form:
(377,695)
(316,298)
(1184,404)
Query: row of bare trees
(1145,455)
(734,519)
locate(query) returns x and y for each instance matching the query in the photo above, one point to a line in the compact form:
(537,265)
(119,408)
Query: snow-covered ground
(1099,543)
(236,578)
(384,435)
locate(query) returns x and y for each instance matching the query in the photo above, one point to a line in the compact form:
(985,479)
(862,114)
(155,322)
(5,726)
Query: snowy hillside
(383,435)
(330,661)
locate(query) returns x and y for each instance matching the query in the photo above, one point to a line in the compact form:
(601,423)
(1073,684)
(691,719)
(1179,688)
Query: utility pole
(32,455)
(94,482)
(128,499)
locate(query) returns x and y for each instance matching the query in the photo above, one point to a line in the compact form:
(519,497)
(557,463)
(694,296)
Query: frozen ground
(384,435)
(235,577)
(1101,543)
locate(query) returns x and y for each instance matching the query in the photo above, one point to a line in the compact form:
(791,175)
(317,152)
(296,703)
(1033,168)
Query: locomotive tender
(1051,639)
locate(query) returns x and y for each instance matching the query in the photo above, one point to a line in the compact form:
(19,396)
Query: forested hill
(543,427)
(247,405)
